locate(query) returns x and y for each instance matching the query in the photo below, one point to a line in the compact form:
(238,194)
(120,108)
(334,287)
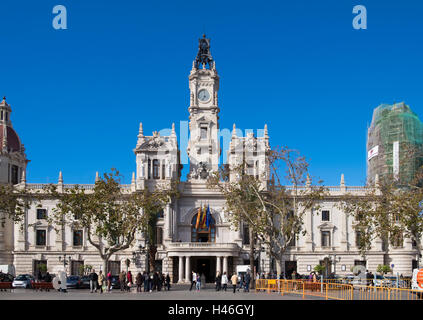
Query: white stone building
(181,248)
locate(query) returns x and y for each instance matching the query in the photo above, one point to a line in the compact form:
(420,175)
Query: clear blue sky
(79,94)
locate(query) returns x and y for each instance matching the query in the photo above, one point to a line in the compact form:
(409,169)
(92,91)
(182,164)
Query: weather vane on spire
(204,56)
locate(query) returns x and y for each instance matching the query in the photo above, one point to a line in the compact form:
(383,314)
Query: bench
(42,285)
(5,286)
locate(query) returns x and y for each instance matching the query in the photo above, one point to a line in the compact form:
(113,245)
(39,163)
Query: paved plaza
(177,292)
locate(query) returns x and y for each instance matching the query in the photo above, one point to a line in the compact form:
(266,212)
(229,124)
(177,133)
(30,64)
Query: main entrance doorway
(205,266)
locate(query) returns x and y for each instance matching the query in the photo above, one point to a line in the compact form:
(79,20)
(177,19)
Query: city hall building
(330,237)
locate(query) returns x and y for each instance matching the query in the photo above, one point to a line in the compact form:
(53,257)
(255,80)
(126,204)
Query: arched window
(203,234)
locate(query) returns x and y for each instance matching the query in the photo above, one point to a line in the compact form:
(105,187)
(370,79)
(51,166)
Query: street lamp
(65,261)
(141,251)
(334,263)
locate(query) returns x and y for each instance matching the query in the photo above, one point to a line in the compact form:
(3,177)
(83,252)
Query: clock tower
(203,145)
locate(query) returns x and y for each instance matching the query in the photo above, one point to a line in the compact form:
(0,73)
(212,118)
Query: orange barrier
(306,288)
(386,293)
(336,291)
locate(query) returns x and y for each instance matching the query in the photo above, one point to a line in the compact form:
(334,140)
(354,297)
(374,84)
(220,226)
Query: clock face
(203,95)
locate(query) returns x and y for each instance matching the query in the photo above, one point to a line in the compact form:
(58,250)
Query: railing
(331,289)
(334,291)
(332,188)
(203,245)
(386,293)
(388,283)
(42,186)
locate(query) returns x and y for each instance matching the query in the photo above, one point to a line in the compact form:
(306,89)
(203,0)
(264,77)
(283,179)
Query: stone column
(344,231)
(225,265)
(218,264)
(187,268)
(309,230)
(168,224)
(181,269)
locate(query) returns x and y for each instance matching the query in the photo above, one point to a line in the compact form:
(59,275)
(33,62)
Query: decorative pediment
(326,226)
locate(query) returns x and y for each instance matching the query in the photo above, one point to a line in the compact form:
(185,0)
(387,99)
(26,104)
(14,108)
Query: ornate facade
(330,237)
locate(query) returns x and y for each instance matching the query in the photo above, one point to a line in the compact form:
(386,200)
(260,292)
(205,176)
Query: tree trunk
(252,238)
(105,265)
(152,257)
(278,267)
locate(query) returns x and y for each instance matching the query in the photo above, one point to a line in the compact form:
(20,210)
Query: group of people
(221,281)
(44,278)
(144,282)
(238,282)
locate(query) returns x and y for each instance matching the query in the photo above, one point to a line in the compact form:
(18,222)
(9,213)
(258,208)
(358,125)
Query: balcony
(203,248)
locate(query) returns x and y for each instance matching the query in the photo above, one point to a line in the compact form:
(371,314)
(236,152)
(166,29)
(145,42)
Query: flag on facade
(203,220)
(198,218)
(208,217)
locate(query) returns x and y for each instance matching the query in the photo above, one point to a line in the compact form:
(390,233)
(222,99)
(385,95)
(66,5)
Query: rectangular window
(325,238)
(77,216)
(149,169)
(357,238)
(325,215)
(292,242)
(114,267)
(163,171)
(41,214)
(15,170)
(77,267)
(160,214)
(39,267)
(203,133)
(41,238)
(77,237)
(159,235)
(156,167)
(245,234)
(360,263)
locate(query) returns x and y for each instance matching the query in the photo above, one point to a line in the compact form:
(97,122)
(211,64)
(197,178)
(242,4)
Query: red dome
(13,143)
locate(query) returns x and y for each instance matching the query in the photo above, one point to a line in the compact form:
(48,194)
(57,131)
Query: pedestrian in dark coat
(139,281)
(155,281)
(247,280)
(167,281)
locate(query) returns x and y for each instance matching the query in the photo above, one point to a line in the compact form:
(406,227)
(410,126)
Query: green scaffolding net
(394,124)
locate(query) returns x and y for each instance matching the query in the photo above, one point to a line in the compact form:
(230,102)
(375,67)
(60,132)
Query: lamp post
(65,261)
(334,263)
(141,251)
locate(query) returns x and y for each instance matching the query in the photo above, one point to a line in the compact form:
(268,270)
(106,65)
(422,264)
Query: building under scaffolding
(394,143)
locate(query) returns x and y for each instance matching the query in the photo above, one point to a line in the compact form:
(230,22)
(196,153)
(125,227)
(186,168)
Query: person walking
(139,281)
(247,280)
(129,281)
(100,280)
(234,280)
(224,281)
(193,280)
(241,281)
(109,281)
(146,281)
(198,283)
(122,280)
(155,281)
(93,281)
(159,281)
(218,281)
(167,281)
